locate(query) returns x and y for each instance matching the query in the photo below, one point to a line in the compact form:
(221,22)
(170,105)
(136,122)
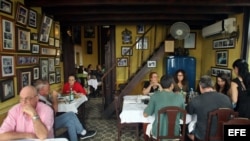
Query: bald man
(28,119)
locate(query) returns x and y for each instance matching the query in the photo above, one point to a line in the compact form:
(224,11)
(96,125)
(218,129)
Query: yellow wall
(6,105)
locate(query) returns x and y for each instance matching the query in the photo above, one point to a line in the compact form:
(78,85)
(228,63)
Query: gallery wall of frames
(29,48)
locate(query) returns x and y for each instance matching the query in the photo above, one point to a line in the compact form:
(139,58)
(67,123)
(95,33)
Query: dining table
(134,105)
(65,105)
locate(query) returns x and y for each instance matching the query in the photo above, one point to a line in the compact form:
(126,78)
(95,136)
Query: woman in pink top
(76,86)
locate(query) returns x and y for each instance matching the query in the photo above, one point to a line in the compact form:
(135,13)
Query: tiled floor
(106,128)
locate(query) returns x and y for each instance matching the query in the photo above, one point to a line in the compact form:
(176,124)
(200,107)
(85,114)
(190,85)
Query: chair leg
(137,133)
(119,134)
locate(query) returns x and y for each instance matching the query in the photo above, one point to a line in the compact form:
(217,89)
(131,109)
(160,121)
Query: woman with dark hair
(222,84)
(181,81)
(240,88)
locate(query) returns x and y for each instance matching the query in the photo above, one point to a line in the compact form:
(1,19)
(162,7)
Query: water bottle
(191,94)
(71,96)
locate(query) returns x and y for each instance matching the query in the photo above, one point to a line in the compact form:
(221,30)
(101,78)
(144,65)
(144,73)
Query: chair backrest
(221,115)
(171,112)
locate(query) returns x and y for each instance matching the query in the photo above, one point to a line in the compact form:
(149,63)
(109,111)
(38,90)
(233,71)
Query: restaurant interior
(51,40)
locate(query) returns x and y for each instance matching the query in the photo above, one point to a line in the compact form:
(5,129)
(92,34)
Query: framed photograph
(23,39)
(7,65)
(24,77)
(6,6)
(34,36)
(7,30)
(51,41)
(126,51)
(224,43)
(36,73)
(122,62)
(44,68)
(52,78)
(57,61)
(58,78)
(151,64)
(32,22)
(58,70)
(35,48)
(190,41)
(47,51)
(57,43)
(140,29)
(142,43)
(215,71)
(45,29)
(222,58)
(7,90)
(51,64)
(89,31)
(57,30)
(26,60)
(21,14)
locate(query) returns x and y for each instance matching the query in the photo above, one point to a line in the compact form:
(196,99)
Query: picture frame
(221,58)
(26,60)
(7,89)
(8,35)
(58,70)
(21,14)
(57,43)
(190,41)
(7,65)
(32,21)
(51,64)
(89,31)
(35,48)
(36,72)
(24,77)
(47,51)
(215,71)
(58,78)
(224,43)
(52,78)
(140,29)
(51,41)
(45,29)
(122,62)
(57,61)
(6,6)
(44,68)
(34,36)
(23,39)
(151,64)
(142,43)
(126,52)
(57,30)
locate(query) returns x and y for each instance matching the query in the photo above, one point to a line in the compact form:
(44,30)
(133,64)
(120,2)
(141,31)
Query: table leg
(144,126)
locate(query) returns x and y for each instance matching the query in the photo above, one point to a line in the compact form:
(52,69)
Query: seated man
(161,99)
(68,119)
(201,105)
(76,86)
(28,119)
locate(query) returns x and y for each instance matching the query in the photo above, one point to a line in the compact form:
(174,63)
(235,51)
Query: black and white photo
(151,64)
(6,6)
(221,58)
(32,22)
(127,51)
(7,90)
(122,62)
(7,65)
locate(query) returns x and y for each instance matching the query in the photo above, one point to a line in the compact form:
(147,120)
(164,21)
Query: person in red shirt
(76,86)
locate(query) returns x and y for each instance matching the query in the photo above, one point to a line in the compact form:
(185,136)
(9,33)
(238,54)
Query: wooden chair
(124,126)
(171,113)
(221,115)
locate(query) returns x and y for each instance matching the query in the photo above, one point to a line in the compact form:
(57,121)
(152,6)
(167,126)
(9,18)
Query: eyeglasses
(29,98)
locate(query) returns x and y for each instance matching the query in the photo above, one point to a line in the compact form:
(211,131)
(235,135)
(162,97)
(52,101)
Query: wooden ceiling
(196,13)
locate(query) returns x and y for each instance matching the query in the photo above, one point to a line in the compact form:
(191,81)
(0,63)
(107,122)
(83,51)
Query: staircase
(136,78)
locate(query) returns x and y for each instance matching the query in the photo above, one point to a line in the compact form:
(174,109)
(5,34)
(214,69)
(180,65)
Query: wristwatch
(35,117)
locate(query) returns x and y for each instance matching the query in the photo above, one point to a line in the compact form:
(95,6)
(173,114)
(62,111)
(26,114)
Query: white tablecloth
(54,139)
(132,112)
(72,106)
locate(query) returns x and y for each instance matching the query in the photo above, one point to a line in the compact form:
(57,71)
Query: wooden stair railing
(156,55)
